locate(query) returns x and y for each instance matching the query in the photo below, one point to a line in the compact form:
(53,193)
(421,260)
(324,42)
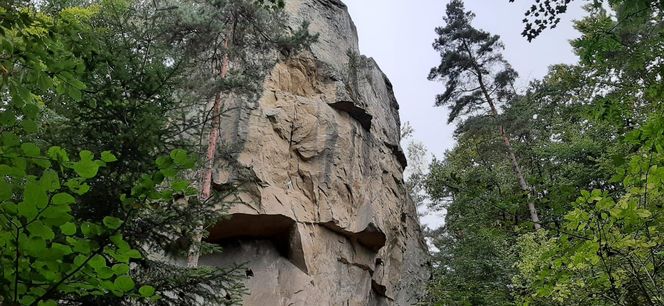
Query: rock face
(325,218)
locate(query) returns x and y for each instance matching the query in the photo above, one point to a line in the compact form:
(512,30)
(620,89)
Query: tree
(46,253)
(476,76)
(472,259)
(486,215)
(125,77)
(589,138)
(607,250)
(418,163)
(545,14)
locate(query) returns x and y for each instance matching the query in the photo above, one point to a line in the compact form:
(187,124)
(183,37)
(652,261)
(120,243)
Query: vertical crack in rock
(379,289)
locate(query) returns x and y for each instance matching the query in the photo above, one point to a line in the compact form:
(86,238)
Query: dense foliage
(588,138)
(98,99)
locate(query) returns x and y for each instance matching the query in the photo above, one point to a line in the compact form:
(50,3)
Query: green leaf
(75,94)
(77,84)
(29,126)
(50,180)
(27,210)
(644,213)
(38,229)
(180,185)
(6,190)
(121,269)
(134,254)
(57,153)
(30,149)
(10,139)
(7,170)
(86,155)
(146,291)
(89,229)
(9,208)
(27,300)
(82,246)
(77,186)
(164,162)
(31,110)
(63,198)
(56,215)
(120,243)
(35,245)
(35,195)
(104,273)
(124,283)
(47,303)
(61,248)
(97,262)
(68,229)
(179,156)
(7,118)
(108,157)
(86,168)
(112,222)
(44,82)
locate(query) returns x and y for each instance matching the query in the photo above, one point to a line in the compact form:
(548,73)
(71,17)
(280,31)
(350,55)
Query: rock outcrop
(325,218)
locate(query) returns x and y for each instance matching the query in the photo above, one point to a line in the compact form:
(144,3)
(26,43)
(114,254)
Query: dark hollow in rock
(379,289)
(280,230)
(355,112)
(371,237)
(398,152)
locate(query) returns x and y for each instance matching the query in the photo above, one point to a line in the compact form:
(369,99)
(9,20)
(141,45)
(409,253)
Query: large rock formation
(326,219)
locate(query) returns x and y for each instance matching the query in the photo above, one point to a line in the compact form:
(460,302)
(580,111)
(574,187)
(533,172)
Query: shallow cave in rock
(278,230)
(372,237)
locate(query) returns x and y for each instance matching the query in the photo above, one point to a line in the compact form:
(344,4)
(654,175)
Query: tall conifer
(477,78)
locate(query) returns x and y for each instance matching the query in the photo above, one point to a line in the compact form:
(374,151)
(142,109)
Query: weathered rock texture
(326,219)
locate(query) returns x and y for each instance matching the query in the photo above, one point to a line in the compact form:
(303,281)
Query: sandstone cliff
(326,219)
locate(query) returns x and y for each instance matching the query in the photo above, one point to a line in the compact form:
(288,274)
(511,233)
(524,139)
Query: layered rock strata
(325,218)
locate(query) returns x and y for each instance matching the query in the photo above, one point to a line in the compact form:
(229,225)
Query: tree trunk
(213,138)
(523,184)
(213,143)
(522,181)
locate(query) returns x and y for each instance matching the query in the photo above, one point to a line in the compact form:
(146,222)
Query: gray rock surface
(325,218)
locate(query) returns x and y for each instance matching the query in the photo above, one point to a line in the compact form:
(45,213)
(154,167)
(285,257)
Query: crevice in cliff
(354,112)
(379,290)
(371,237)
(333,4)
(354,264)
(398,152)
(279,230)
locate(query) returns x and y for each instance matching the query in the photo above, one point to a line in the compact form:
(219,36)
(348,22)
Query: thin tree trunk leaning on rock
(213,143)
(213,139)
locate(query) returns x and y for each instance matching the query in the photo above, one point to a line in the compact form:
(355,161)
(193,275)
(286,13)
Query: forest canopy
(586,142)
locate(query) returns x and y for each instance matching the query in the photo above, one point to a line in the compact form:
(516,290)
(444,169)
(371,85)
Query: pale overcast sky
(398,35)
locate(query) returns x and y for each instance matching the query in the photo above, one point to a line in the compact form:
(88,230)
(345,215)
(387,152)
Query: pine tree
(476,76)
